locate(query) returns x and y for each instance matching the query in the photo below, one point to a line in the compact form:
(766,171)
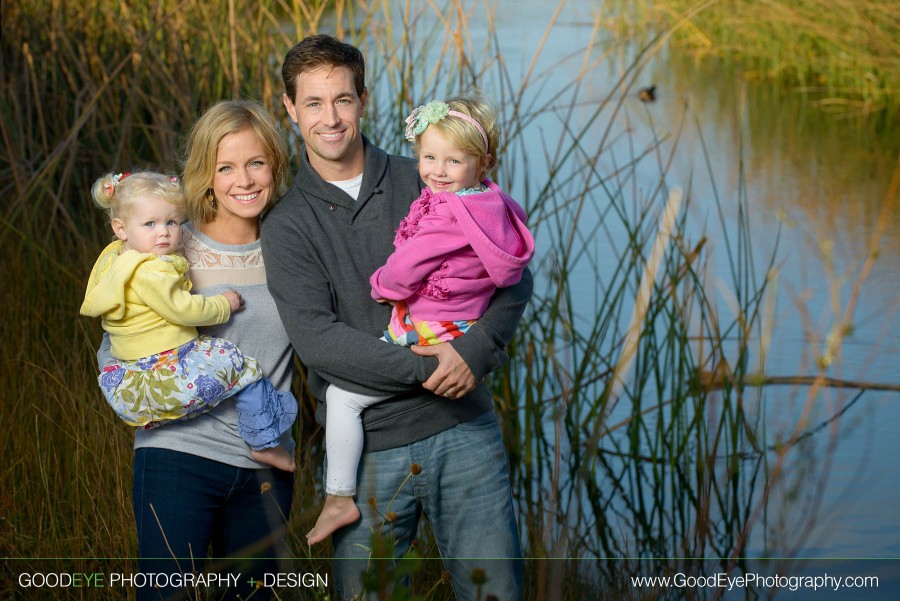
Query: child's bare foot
(336,513)
(276,457)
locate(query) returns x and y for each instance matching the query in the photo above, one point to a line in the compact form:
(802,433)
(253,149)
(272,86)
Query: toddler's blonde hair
(117,194)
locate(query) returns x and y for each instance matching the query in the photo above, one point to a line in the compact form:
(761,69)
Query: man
(321,242)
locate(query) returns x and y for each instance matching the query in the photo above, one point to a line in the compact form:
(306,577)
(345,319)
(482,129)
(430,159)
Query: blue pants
(200,502)
(463,490)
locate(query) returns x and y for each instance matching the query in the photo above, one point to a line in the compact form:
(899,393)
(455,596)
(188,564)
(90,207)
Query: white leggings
(344,438)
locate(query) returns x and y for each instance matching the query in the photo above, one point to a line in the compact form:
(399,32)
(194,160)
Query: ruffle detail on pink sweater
(435,286)
(424,205)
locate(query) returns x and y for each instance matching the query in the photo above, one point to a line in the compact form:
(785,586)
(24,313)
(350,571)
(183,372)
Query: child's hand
(235,300)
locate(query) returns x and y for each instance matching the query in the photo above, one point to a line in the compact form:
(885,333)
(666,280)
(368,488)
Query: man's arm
(483,348)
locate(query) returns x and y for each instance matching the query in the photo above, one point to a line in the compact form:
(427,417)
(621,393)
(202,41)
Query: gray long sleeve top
(320,247)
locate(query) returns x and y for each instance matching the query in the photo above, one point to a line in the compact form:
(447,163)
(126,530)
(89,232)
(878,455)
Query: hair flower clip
(109,188)
(423,116)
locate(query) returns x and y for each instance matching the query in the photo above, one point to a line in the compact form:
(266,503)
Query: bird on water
(647,94)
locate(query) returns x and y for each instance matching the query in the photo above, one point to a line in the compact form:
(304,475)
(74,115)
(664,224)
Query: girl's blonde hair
(117,193)
(201,149)
(464,135)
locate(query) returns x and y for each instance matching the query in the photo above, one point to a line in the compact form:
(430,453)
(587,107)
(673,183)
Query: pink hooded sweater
(453,251)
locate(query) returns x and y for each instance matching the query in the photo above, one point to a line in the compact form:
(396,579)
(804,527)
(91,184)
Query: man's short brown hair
(322,50)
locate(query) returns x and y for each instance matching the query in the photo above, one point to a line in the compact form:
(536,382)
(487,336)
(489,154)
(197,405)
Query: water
(821,181)
(824,180)
(815,185)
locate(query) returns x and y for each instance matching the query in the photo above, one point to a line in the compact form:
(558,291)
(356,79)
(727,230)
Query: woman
(195,483)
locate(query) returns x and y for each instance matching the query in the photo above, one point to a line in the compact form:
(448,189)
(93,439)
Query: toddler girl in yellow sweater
(164,371)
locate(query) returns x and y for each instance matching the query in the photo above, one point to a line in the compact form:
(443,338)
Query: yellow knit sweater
(144,302)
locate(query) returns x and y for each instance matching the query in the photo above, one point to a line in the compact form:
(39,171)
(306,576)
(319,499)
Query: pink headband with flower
(423,116)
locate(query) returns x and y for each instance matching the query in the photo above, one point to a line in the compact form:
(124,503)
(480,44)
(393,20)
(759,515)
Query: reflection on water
(819,185)
(824,178)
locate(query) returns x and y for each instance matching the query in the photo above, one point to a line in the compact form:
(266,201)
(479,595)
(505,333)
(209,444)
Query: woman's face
(243,182)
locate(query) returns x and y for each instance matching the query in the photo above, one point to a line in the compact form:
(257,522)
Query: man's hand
(452,378)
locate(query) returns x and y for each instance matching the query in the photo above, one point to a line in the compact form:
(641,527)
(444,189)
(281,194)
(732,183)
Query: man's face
(328,111)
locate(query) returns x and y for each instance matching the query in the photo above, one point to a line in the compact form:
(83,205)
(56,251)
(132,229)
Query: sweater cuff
(225,306)
(425,367)
(480,353)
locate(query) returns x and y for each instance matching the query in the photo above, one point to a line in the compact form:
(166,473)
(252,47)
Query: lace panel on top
(212,266)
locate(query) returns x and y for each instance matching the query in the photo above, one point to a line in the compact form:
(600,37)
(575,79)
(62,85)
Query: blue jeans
(463,490)
(201,503)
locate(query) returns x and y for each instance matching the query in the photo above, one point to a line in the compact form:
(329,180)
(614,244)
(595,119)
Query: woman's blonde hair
(201,149)
(117,193)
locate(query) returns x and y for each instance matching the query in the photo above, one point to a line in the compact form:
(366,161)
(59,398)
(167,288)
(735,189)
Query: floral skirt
(406,331)
(176,384)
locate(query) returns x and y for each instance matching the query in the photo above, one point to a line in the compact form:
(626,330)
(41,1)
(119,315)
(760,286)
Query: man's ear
(289,105)
(364,97)
(118,227)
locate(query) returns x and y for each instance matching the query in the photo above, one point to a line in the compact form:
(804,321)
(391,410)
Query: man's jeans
(197,502)
(463,490)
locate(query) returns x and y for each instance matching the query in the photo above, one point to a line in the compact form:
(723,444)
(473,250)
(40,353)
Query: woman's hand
(452,378)
(235,300)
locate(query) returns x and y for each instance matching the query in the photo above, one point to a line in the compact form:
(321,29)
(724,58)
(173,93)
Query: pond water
(814,186)
(817,183)
(821,181)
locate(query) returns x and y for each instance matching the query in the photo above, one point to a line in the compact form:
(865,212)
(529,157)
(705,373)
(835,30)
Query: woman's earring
(211,199)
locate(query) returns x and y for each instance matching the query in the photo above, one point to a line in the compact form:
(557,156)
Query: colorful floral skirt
(176,384)
(406,331)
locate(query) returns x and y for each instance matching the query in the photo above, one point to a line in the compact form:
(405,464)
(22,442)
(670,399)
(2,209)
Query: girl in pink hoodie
(462,239)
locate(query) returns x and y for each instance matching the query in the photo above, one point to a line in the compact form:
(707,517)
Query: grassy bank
(845,53)
(630,431)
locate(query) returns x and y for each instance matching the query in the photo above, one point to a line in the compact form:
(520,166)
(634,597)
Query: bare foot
(276,457)
(336,513)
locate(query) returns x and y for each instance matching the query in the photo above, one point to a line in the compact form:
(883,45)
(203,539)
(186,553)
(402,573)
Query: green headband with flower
(436,110)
